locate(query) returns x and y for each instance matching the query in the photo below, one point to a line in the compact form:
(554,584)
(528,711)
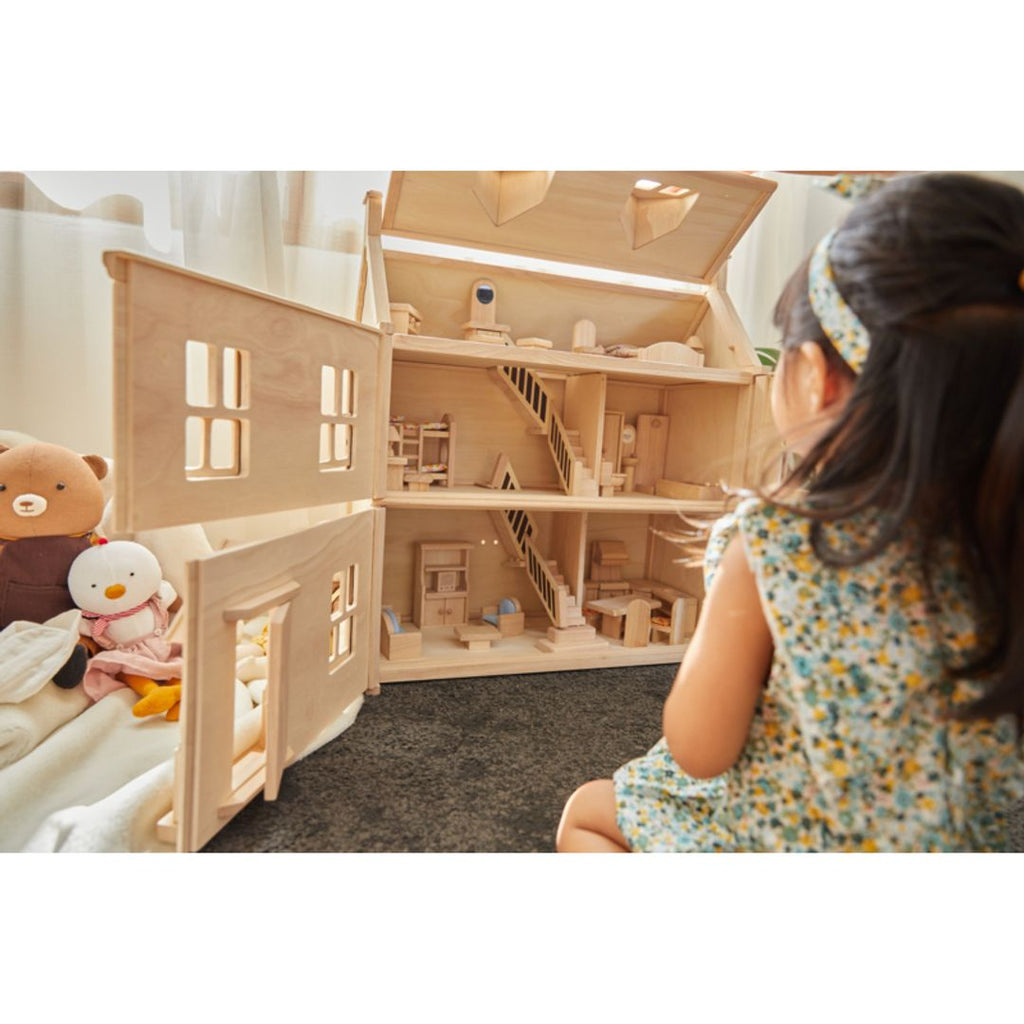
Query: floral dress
(851,746)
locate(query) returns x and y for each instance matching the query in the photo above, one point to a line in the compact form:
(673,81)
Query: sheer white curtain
(295,234)
(796,216)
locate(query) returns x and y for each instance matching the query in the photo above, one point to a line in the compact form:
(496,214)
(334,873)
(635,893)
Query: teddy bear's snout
(29,505)
(114,591)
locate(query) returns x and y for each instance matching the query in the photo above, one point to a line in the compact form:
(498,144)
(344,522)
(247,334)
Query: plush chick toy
(125,603)
(50,503)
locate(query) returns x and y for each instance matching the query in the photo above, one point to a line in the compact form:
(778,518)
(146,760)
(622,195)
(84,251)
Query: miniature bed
(374,548)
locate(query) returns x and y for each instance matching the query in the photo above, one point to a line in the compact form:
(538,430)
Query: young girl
(856,679)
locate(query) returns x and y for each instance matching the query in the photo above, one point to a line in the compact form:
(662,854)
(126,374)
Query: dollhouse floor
(444,657)
(555,501)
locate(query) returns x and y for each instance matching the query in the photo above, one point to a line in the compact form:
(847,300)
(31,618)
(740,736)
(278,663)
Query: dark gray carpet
(464,766)
(458,766)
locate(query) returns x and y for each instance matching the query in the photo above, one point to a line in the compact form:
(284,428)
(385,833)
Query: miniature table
(478,637)
(613,611)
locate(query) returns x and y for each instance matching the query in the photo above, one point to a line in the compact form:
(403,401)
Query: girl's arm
(708,712)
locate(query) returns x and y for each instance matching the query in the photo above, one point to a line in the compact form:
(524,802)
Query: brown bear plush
(50,503)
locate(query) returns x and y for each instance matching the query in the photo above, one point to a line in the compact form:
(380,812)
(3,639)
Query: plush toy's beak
(113,592)
(29,505)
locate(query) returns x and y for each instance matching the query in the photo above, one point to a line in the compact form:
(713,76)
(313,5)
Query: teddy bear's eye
(3,487)
(62,486)
(131,574)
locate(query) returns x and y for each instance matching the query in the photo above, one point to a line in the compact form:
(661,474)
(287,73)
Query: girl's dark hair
(933,433)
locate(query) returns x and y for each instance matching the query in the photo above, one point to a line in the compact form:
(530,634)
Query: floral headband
(839,322)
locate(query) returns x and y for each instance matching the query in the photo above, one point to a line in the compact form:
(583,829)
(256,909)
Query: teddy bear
(126,606)
(51,502)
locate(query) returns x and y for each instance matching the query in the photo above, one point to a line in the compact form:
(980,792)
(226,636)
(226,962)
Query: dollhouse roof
(678,225)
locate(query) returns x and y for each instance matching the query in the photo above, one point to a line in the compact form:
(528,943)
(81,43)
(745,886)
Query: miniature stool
(477,637)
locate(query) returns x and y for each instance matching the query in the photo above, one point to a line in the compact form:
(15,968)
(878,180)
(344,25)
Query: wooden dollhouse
(427,560)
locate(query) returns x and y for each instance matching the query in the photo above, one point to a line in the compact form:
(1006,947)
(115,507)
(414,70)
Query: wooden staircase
(518,531)
(576,476)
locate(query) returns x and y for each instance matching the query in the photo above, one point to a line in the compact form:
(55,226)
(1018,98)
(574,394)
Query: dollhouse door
(313,591)
(231,403)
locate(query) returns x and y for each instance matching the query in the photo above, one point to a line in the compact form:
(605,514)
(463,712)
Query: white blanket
(101,782)
(25,725)
(32,652)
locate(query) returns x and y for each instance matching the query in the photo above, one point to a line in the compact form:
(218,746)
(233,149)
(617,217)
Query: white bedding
(101,782)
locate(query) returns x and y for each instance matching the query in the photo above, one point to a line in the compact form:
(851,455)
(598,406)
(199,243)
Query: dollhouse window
(654,209)
(344,600)
(217,381)
(338,412)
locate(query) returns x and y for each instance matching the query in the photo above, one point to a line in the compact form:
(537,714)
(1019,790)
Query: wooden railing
(532,394)
(562,453)
(553,595)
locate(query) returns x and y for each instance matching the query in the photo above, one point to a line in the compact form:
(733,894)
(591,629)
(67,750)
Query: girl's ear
(814,377)
(824,386)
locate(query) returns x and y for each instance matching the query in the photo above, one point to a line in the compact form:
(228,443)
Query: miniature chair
(507,616)
(672,625)
(637,632)
(398,642)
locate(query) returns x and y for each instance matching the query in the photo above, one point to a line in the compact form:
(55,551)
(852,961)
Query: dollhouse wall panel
(536,305)
(231,402)
(702,444)
(631,530)
(635,399)
(325,576)
(487,418)
(569,547)
(722,333)
(491,578)
(666,560)
(584,411)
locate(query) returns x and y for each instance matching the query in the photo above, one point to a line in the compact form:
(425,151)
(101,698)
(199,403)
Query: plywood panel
(584,411)
(274,402)
(299,568)
(539,305)
(487,418)
(569,548)
(632,530)
(667,559)
(635,399)
(707,439)
(490,576)
(580,219)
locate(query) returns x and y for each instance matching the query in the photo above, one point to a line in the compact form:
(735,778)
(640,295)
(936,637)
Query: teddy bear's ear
(97,464)
(4,448)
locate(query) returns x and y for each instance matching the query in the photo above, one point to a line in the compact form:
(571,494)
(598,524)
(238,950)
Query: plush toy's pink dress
(150,655)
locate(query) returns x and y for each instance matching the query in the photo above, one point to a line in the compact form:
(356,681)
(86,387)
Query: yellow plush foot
(156,697)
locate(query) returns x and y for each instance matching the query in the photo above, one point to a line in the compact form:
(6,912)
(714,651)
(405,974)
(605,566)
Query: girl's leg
(588,822)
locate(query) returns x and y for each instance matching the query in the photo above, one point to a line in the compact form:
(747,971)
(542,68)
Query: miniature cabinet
(442,574)
(230,402)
